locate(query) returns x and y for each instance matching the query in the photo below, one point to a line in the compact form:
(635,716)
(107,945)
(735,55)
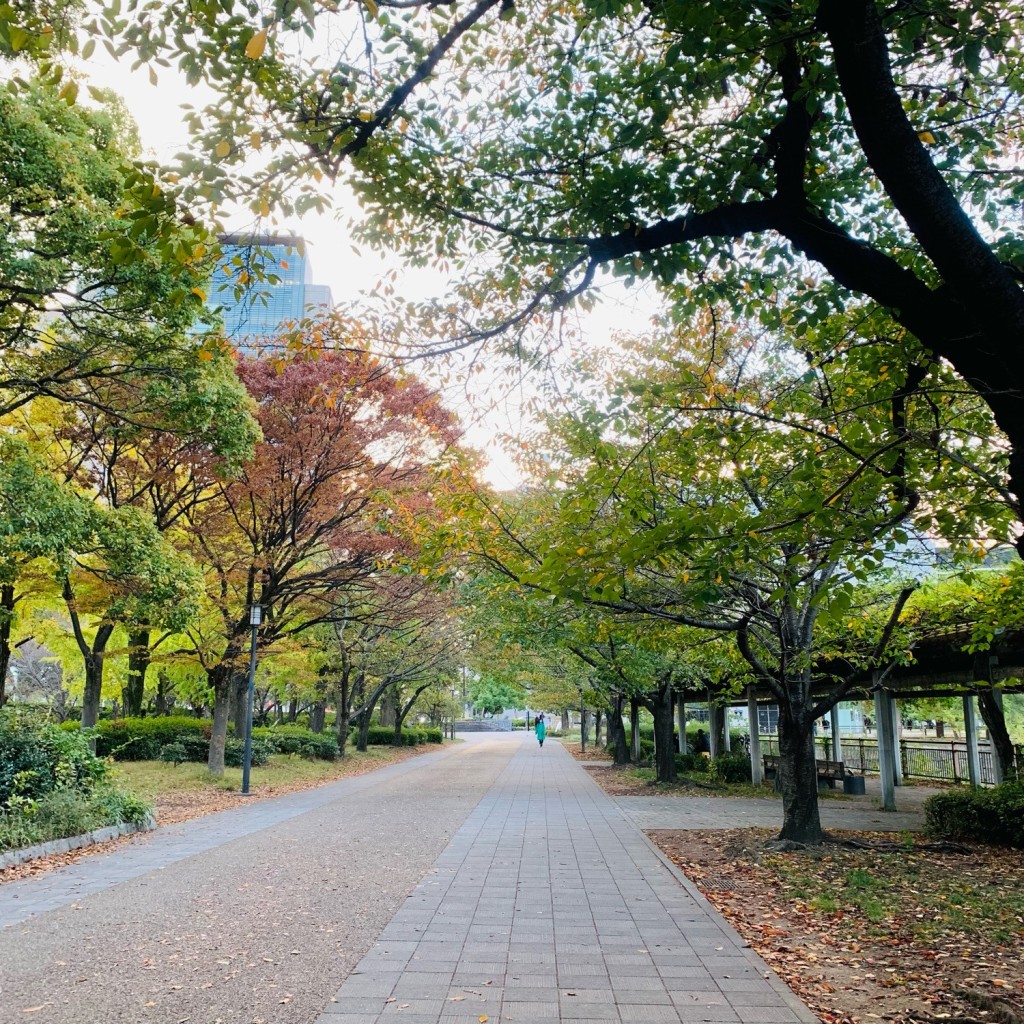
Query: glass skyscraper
(262,284)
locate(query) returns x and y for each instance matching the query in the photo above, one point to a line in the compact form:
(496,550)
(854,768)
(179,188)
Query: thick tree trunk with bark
(617,732)
(222,682)
(634,730)
(93,658)
(139,656)
(798,779)
(995,722)
(598,718)
(164,698)
(239,701)
(664,733)
(342,715)
(6,622)
(585,728)
(317,716)
(364,730)
(565,722)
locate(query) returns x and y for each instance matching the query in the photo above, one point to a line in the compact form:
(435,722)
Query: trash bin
(853,785)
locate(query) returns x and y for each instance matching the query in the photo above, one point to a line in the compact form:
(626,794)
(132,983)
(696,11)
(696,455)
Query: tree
(349,450)
(41,524)
(86,301)
(747,495)
(492,696)
(787,155)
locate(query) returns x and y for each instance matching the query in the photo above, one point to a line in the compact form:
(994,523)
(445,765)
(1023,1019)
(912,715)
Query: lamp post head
(255,615)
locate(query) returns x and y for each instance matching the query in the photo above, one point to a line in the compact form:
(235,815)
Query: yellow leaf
(256,140)
(483,1017)
(256,45)
(69,93)
(927,138)
(223,148)
(200,293)
(581,551)
(264,208)
(371,6)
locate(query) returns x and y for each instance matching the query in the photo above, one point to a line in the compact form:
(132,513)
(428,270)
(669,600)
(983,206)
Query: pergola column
(681,721)
(756,767)
(971,729)
(886,765)
(897,759)
(837,746)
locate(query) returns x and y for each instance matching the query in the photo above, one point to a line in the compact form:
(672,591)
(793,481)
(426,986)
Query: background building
(261,284)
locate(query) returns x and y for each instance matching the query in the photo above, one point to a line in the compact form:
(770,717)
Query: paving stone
(549,904)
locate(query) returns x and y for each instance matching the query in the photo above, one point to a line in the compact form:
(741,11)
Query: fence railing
(921,760)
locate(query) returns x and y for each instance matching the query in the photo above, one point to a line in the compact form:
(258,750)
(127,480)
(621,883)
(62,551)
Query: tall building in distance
(255,316)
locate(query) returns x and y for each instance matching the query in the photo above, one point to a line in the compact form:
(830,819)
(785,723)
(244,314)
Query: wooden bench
(828,771)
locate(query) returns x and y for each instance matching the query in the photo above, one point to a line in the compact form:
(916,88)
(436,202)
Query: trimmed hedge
(993,816)
(293,739)
(384,735)
(142,739)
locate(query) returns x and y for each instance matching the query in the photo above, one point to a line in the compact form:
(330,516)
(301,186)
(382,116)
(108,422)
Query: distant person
(701,744)
(540,729)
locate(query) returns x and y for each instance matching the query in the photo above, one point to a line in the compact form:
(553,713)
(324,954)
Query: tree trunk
(716,729)
(387,709)
(617,732)
(396,738)
(565,722)
(94,676)
(364,730)
(164,699)
(138,663)
(798,780)
(6,622)
(634,730)
(585,727)
(995,722)
(597,729)
(664,732)
(342,716)
(317,716)
(293,710)
(222,681)
(239,701)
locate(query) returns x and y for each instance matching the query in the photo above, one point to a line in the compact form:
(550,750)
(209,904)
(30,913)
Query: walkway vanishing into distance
(491,879)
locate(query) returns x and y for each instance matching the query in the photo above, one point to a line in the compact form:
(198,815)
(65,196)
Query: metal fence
(945,760)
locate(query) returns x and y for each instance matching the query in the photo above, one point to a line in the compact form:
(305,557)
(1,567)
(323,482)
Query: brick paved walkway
(549,904)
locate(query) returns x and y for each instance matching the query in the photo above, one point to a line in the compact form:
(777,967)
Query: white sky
(487,411)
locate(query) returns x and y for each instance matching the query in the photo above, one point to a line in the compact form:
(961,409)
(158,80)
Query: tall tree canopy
(788,153)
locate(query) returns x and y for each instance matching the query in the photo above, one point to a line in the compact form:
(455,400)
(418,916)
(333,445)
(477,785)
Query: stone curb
(98,835)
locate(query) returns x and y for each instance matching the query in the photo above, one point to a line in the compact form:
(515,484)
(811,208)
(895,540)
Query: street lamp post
(255,617)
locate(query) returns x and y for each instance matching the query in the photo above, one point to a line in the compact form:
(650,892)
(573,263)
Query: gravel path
(257,927)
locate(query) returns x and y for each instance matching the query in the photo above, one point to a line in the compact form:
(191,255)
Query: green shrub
(432,735)
(234,752)
(989,815)
(174,753)
(293,739)
(68,812)
(37,757)
(691,762)
(730,767)
(141,739)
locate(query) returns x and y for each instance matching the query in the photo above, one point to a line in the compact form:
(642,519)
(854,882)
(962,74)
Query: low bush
(68,812)
(293,739)
(384,735)
(993,816)
(37,757)
(234,752)
(141,739)
(52,785)
(729,767)
(174,753)
(431,734)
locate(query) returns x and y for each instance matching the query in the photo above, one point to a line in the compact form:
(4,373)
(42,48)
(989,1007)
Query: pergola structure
(941,668)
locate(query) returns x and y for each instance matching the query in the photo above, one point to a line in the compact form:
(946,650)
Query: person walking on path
(540,729)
